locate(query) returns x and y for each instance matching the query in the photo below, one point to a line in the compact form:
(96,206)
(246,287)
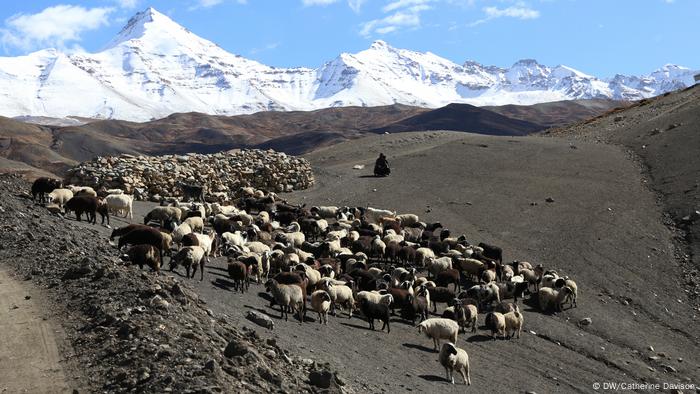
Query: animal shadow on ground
(419,347)
(433,378)
(218,268)
(370,176)
(218,274)
(363,327)
(479,338)
(223,284)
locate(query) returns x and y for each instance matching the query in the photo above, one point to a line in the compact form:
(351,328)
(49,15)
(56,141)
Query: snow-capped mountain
(155,67)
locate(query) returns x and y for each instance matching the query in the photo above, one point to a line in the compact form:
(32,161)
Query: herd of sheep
(338,259)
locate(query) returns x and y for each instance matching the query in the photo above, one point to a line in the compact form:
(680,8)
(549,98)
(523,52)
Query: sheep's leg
(465,376)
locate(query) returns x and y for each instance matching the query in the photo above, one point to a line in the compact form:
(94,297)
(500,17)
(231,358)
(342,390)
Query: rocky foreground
(131,330)
(152,177)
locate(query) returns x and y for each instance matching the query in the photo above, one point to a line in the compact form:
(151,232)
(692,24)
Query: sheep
(311,273)
(373,215)
(324,212)
(375,297)
(514,322)
(340,295)
(378,247)
(422,256)
(407,219)
(488,276)
(507,273)
(145,255)
(163,214)
(82,190)
(471,267)
(373,311)
(549,279)
(196,223)
(531,277)
(238,271)
(167,242)
(447,277)
(190,257)
(492,252)
(565,281)
(455,359)
(123,203)
(114,191)
(439,328)
(43,186)
(321,303)
(83,204)
(294,238)
(553,299)
(180,231)
(118,232)
(496,323)
(421,302)
(485,294)
(206,241)
(511,290)
(190,240)
(400,297)
(289,297)
(233,239)
(440,294)
(59,196)
(257,247)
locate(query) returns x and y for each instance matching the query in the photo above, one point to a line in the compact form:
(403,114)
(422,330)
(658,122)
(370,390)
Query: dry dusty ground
(29,340)
(604,229)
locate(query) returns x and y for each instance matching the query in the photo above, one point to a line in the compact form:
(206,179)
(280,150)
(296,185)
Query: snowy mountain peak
(155,67)
(146,23)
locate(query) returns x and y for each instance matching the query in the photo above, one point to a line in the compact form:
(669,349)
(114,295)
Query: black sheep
(118,232)
(83,204)
(447,277)
(440,294)
(373,311)
(145,236)
(190,240)
(492,252)
(145,255)
(43,186)
(402,298)
(192,192)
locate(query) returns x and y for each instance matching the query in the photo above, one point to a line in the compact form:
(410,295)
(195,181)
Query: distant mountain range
(155,67)
(53,145)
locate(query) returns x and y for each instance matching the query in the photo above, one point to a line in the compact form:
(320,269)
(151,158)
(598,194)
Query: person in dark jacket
(381,166)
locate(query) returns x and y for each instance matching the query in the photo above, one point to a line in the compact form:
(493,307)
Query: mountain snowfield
(155,67)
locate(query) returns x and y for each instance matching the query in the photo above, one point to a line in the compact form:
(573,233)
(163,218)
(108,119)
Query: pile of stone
(152,177)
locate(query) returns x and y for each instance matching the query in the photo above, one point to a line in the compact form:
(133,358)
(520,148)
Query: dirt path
(29,355)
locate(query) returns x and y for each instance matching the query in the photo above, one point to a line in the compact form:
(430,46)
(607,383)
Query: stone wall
(151,177)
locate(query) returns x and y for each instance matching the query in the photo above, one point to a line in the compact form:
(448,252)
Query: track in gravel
(604,229)
(30,360)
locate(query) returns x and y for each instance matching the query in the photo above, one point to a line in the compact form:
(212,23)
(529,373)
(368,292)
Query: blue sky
(599,37)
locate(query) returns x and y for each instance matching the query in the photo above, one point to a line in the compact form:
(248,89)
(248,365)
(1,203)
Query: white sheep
(321,303)
(565,281)
(84,190)
(422,256)
(435,266)
(374,215)
(421,301)
(496,322)
(439,328)
(514,322)
(196,223)
(180,231)
(552,299)
(375,297)
(455,359)
(233,239)
(289,297)
(549,279)
(325,212)
(257,247)
(120,204)
(407,219)
(163,214)
(206,241)
(311,273)
(340,295)
(471,267)
(115,191)
(59,196)
(190,257)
